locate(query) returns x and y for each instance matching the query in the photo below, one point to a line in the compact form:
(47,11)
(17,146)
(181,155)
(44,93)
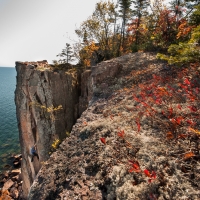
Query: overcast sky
(32,30)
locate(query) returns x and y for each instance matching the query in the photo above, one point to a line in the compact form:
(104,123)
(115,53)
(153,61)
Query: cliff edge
(47,107)
(48,104)
(138,138)
(133,141)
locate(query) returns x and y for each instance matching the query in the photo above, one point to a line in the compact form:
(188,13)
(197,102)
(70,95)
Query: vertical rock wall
(47,107)
(48,104)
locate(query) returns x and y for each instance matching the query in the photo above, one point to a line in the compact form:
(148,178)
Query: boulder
(15,172)
(8,184)
(15,178)
(14,193)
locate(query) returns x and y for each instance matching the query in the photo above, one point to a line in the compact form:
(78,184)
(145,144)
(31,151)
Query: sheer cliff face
(47,108)
(48,104)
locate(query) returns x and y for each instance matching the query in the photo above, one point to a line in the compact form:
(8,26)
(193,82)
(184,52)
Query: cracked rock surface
(96,163)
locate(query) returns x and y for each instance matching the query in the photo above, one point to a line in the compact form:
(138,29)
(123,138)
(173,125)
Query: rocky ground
(138,139)
(11,180)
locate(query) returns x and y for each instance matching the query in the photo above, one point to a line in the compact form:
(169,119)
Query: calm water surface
(9,140)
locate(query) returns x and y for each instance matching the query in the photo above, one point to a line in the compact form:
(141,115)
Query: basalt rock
(108,155)
(47,108)
(48,104)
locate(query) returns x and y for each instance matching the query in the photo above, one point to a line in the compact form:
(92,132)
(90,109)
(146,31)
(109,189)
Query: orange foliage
(184,29)
(4,195)
(188,155)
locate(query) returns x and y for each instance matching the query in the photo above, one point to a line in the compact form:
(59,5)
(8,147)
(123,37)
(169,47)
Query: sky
(33,30)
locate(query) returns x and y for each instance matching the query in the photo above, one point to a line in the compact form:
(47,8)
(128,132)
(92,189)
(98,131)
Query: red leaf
(138,125)
(135,166)
(183,86)
(103,140)
(147,173)
(170,135)
(171,110)
(153,175)
(171,88)
(182,136)
(121,134)
(192,108)
(134,170)
(187,82)
(144,104)
(135,98)
(190,122)
(158,101)
(179,107)
(173,120)
(178,120)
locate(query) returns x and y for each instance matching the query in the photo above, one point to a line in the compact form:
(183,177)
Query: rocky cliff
(47,108)
(133,140)
(48,104)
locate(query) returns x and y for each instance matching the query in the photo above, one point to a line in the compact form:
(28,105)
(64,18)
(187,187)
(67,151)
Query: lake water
(9,135)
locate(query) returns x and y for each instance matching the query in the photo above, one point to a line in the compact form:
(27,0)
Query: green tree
(195,16)
(184,52)
(66,55)
(189,51)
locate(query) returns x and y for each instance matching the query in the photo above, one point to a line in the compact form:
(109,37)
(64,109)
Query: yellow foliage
(56,143)
(49,109)
(195,131)
(87,53)
(68,134)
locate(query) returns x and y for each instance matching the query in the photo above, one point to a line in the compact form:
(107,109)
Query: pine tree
(140,10)
(125,13)
(66,55)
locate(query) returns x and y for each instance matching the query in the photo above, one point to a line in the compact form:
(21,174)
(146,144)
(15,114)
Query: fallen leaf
(188,155)
(134,170)
(147,173)
(138,125)
(121,134)
(192,108)
(171,111)
(153,175)
(195,131)
(187,82)
(103,140)
(191,122)
(182,136)
(178,120)
(179,107)
(170,135)
(135,166)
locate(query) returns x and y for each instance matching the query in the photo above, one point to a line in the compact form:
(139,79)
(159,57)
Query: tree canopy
(114,29)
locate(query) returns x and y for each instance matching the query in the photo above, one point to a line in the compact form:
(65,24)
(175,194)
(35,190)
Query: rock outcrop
(48,104)
(118,149)
(47,108)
